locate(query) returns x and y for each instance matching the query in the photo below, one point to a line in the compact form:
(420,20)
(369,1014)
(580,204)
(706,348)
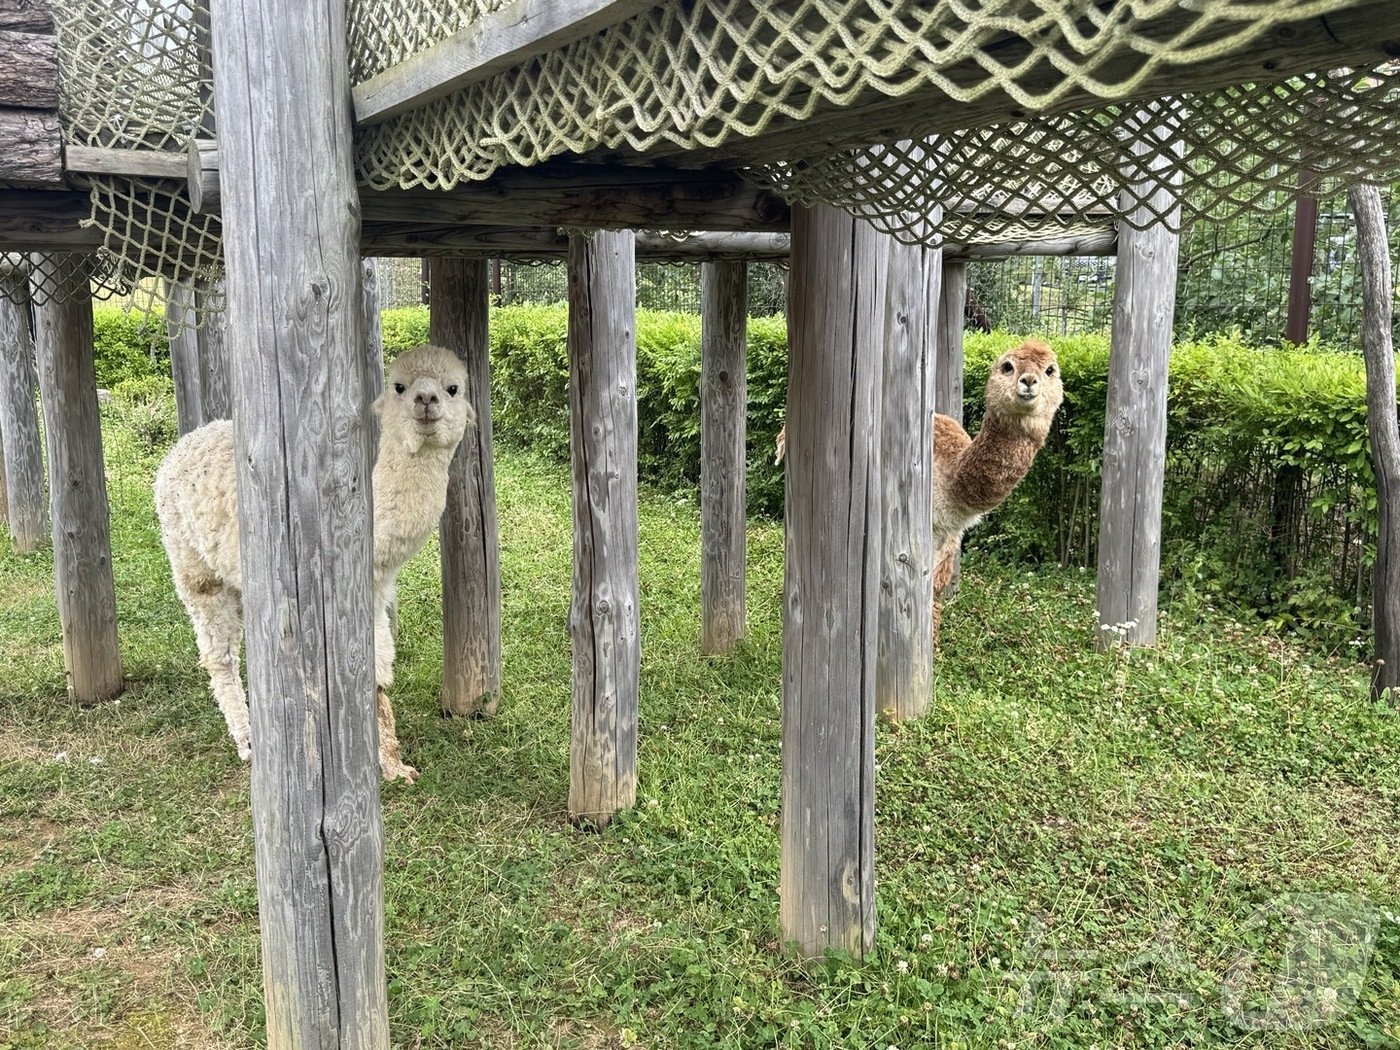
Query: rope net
(888,108)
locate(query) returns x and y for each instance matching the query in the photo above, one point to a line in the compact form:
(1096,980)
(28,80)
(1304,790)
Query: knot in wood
(604,606)
(723,375)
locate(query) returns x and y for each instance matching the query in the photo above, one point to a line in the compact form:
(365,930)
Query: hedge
(1269,496)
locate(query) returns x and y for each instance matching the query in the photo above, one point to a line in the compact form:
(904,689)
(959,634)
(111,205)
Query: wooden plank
(27,508)
(82,544)
(948,378)
(29,16)
(1135,428)
(492,43)
(603,621)
(291,225)
(1378,349)
(1097,242)
(415,240)
(28,70)
(459,300)
(836,327)
(33,219)
(723,459)
(33,146)
(215,387)
(904,670)
(103,160)
(184,355)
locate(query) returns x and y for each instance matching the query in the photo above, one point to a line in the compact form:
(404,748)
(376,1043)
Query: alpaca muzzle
(1028,388)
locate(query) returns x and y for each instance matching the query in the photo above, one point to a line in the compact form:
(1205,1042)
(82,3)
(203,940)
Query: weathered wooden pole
(904,673)
(294,328)
(184,354)
(82,542)
(948,382)
(215,388)
(28,510)
(723,461)
(603,621)
(1378,349)
(459,294)
(374,347)
(1304,252)
(1135,427)
(836,312)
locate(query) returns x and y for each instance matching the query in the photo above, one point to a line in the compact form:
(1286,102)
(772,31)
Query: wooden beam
(82,542)
(723,456)
(603,621)
(836,329)
(215,386)
(492,43)
(1097,242)
(29,16)
(27,508)
(28,70)
(291,234)
(142,163)
(202,175)
(904,669)
(33,146)
(1135,419)
(459,302)
(46,220)
(401,239)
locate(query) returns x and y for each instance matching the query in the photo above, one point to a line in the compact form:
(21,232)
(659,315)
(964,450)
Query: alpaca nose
(425,398)
(1030,384)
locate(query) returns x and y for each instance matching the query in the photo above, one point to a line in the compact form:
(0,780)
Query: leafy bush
(403,329)
(128,344)
(146,405)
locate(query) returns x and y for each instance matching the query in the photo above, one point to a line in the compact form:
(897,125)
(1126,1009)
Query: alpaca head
(1024,385)
(424,403)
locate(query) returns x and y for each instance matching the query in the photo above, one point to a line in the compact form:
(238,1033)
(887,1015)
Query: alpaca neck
(998,458)
(410,492)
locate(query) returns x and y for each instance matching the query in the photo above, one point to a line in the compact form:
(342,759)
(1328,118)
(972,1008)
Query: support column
(835,333)
(19,419)
(295,348)
(1135,429)
(184,355)
(723,462)
(215,393)
(374,348)
(458,310)
(603,622)
(904,673)
(82,542)
(948,384)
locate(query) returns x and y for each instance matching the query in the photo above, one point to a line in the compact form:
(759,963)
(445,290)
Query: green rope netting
(702,81)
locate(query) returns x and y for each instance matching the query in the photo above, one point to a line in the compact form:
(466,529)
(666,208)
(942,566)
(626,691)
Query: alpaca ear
(377,405)
(471,414)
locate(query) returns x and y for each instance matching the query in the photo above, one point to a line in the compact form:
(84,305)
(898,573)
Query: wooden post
(459,308)
(1301,259)
(184,355)
(603,435)
(723,461)
(904,674)
(374,348)
(19,419)
(1377,347)
(294,329)
(215,394)
(836,326)
(1135,428)
(82,543)
(948,385)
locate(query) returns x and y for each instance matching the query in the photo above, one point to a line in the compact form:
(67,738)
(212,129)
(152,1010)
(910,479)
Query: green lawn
(1197,845)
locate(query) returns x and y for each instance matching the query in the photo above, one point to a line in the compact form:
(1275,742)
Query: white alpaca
(424,413)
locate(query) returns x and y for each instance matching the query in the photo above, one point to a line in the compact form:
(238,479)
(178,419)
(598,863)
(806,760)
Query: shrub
(146,406)
(128,344)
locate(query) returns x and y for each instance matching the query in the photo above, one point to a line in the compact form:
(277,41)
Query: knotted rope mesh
(735,82)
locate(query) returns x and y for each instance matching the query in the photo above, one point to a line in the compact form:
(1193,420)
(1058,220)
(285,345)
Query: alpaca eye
(1007,367)
(398,388)
(452,390)
(1050,371)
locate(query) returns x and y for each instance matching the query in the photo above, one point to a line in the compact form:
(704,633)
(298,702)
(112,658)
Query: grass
(1192,845)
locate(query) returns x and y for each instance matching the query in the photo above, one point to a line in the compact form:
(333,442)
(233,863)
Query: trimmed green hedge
(1269,500)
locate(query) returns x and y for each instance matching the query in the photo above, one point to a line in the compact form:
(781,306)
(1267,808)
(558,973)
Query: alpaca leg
(943,565)
(391,763)
(216,615)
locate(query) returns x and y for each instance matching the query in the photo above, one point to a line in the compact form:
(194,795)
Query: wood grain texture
(184,355)
(948,381)
(836,303)
(215,385)
(603,621)
(28,69)
(30,16)
(904,672)
(374,347)
(723,459)
(1378,349)
(33,143)
(82,544)
(27,507)
(1135,428)
(459,300)
(291,224)
(103,160)
(491,44)
(202,176)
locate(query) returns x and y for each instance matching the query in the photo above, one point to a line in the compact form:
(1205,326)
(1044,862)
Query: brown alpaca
(973,475)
